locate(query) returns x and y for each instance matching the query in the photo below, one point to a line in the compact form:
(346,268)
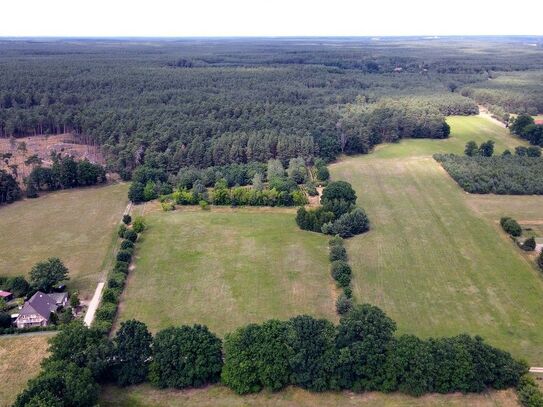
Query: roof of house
(59,298)
(41,304)
(4,294)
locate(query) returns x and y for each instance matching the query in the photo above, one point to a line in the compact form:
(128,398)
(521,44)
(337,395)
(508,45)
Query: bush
(111,295)
(127,219)
(127,244)
(124,255)
(343,304)
(322,173)
(529,393)
(529,244)
(116,280)
(341,272)
(540,260)
(337,253)
(167,206)
(336,241)
(106,311)
(348,224)
(121,266)
(130,235)
(122,230)
(511,227)
(5,320)
(139,225)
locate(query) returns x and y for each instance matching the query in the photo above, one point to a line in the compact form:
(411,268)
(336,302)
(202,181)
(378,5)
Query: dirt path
(95,301)
(93,304)
(483,112)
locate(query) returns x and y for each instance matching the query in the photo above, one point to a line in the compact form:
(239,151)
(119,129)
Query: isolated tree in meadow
(127,219)
(46,274)
(132,351)
(471,149)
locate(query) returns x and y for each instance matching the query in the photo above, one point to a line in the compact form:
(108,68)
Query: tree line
(362,353)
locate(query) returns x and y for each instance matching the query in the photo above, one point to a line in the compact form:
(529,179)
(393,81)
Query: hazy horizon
(281,18)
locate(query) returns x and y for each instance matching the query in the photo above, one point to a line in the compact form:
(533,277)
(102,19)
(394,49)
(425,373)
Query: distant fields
(431,260)
(21,357)
(226,268)
(219,396)
(76,225)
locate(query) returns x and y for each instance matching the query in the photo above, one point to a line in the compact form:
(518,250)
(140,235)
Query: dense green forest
(199,103)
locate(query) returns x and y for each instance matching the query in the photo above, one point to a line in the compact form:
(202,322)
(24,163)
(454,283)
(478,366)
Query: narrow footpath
(95,301)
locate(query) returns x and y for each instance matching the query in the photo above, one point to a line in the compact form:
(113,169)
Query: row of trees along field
(185,103)
(361,354)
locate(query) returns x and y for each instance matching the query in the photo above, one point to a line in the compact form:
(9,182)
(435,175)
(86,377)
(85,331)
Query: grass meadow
(431,261)
(78,226)
(226,268)
(219,396)
(21,357)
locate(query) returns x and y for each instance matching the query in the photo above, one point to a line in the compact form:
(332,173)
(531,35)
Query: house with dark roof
(37,311)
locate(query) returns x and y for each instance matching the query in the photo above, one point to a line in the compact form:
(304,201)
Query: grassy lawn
(21,357)
(75,225)
(431,261)
(463,129)
(226,268)
(218,396)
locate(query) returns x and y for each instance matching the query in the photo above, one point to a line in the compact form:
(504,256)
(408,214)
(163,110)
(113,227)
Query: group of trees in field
(65,173)
(337,214)
(505,175)
(360,354)
(524,126)
(256,184)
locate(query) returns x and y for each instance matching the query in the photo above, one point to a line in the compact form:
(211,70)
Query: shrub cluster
(510,226)
(529,393)
(337,215)
(341,273)
(510,174)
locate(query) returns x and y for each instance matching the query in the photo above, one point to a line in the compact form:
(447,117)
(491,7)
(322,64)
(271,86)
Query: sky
(171,18)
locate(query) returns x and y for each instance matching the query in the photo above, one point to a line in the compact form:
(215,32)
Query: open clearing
(21,357)
(78,226)
(431,261)
(226,268)
(219,396)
